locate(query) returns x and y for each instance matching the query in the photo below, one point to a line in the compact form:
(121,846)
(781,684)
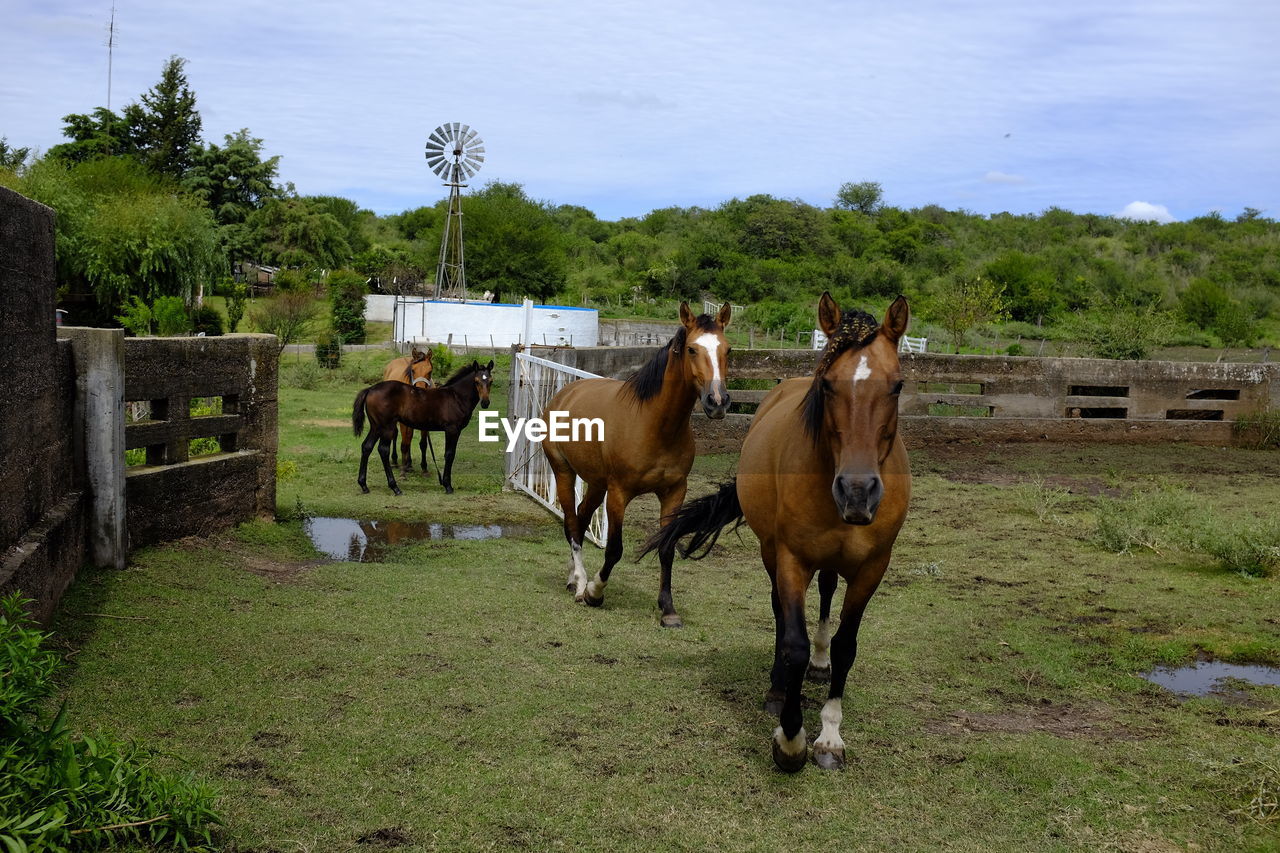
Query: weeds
(1258,430)
(1248,550)
(58,791)
(1153,521)
(1043,501)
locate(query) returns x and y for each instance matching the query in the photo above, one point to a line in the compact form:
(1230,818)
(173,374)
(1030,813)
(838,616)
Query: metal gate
(534,381)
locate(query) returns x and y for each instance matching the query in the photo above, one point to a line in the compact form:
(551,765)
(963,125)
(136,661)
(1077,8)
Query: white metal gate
(534,381)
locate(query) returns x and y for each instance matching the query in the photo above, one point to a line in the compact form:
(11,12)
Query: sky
(1163,110)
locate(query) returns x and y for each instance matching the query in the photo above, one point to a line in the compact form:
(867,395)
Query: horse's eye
(897,388)
(692,351)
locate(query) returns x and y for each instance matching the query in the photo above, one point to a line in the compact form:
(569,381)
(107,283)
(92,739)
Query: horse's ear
(896,319)
(828,314)
(686,316)
(416,355)
(427,355)
(726,312)
(490,365)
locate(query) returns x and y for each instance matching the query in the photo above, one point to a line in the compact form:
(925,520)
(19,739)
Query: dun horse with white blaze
(412,369)
(647,446)
(824,483)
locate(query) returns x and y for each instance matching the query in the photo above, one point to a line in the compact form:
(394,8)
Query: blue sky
(623,107)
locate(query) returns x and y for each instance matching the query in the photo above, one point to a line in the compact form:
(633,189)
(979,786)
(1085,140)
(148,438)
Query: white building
(475,323)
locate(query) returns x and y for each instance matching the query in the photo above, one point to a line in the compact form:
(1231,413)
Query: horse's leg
(366,447)
(422,448)
(828,749)
(450,448)
(820,661)
(671,501)
(615,505)
(406,450)
(591,500)
(384,450)
(789,739)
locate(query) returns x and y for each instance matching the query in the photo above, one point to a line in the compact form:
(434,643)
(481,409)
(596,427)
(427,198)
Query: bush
(346,305)
(288,316)
(136,317)
(1252,550)
(171,316)
(237,295)
(1123,332)
(441,364)
(1259,430)
(291,281)
(58,791)
(1147,520)
(206,319)
(329,350)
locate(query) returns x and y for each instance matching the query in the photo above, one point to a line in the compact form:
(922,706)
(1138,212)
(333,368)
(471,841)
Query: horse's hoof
(364,488)
(448,490)
(772,706)
(827,758)
(788,763)
(591,601)
(672,620)
(397,492)
(820,675)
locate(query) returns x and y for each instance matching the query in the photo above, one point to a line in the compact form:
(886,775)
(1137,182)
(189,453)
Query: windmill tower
(455,153)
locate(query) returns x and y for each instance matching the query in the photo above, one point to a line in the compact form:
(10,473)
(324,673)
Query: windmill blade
(473,136)
(433,162)
(470,171)
(437,136)
(456,125)
(440,171)
(479,157)
(476,149)
(432,152)
(462,134)
(473,166)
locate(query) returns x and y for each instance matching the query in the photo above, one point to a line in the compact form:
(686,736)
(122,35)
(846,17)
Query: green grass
(456,698)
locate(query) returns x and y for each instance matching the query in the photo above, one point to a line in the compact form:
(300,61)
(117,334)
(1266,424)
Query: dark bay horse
(412,369)
(647,446)
(824,483)
(447,407)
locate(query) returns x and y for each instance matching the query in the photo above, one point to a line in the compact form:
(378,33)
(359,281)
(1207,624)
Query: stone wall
(42,499)
(1004,398)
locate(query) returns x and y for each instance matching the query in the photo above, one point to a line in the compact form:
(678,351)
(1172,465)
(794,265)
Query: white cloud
(1145,211)
(1003,178)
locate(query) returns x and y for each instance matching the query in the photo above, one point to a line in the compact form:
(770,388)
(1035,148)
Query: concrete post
(99,426)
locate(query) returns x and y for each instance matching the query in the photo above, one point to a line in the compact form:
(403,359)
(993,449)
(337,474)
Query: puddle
(1201,679)
(353,541)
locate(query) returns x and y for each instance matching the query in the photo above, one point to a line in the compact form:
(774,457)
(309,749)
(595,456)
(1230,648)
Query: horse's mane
(857,329)
(646,382)
(460,374)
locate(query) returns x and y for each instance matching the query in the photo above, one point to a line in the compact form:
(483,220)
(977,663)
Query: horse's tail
(357,411)
(701,520)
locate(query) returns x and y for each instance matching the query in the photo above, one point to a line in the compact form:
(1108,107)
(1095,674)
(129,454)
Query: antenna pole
(111,44)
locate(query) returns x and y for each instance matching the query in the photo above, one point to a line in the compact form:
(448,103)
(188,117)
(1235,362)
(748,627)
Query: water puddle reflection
(1201,679)
(353,541)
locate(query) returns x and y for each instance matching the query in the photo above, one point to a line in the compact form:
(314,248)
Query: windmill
(455,153)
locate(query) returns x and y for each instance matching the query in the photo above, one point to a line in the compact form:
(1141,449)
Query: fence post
(98,355)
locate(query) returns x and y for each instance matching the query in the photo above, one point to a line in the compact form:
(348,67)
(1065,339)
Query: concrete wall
(484,324)
(42,498)
(174,496)
(379,307)
(1023,399)
(628,333)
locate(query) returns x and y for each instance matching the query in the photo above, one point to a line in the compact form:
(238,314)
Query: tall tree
(864,196)
(12,158)
(233,180)
(167,125)
(512,243)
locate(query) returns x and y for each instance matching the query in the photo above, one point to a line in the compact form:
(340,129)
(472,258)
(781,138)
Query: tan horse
(412,369)
(647,446)
(824,483)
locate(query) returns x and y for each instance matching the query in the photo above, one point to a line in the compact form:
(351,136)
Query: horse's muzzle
(857,498)
(484,404)
(716,400)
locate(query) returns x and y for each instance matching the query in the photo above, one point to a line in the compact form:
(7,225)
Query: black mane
(857,329)
(462,373)
(646,382)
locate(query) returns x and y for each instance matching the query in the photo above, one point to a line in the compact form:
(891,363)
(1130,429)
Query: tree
(101,133)
(288,316)
(512,244)
(966,303)
(864,197)
(233,180)
(12,158)
(293,232)
(166,125)
(346,305)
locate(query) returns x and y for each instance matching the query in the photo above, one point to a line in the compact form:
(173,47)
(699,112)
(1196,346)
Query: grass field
(454,697)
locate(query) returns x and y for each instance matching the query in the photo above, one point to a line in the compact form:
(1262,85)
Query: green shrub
(206,319)
(1123,332)
(441,363)
(303,374)
(59,792)
(1258,430)
(1154,520)
(171,316)
(329,350)
(346,305)
(237,296)
(291,281)
(136,317)
(1250,549)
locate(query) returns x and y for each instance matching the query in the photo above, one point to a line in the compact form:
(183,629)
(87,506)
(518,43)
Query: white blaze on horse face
(863,371)
(830,738)
(711,344)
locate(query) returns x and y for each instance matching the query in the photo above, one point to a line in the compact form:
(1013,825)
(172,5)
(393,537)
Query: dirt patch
(1060,721)
(387,837)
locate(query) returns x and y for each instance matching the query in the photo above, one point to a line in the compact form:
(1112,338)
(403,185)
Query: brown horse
(412,369)
(823,481)
(647,445)
(446,408)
